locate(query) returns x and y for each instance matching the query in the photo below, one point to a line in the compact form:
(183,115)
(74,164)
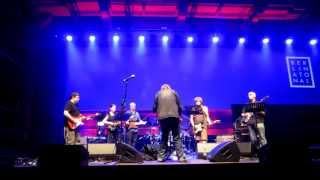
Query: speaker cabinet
(225,152)
(205,147)
(128,154)
(102,149)
(245,148)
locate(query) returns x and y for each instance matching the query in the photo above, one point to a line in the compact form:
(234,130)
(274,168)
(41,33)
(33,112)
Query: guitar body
(197,128)
(132,125)
(248,118)
(114,126)
(72,125)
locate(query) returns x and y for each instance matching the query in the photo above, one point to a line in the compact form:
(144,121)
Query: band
(168,109)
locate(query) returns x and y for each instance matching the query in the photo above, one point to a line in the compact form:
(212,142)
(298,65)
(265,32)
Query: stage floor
(172,162)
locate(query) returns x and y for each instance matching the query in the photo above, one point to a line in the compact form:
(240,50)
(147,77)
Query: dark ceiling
(248,10)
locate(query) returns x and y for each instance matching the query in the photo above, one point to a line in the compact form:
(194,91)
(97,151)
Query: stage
(89,85)
(148,169)
(246,168)
(190,162)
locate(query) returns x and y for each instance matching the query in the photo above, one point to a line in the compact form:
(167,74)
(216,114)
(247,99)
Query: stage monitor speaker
(245,148)
(225,152)
(128,154)
(63,156)
(151,151)
(102,149)
(205,147)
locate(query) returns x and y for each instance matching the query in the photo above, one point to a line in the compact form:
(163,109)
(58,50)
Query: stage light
(165,39)
(242,40)
(265,40)
(141,38)
(190,39)
(215,39)
(116,38)
(92,38)
(289,41)
(313,42)
(69,38)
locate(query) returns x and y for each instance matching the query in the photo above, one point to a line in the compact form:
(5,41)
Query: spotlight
(289,41)
(265,40)
(313,42)
(242,40)
(141,38)
(190,39)
(165,39)
(116,38)
(69,38)
(92,38)
(215,39)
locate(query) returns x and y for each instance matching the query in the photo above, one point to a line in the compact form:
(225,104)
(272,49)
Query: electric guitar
(199,127)
(79,120)
(246,117)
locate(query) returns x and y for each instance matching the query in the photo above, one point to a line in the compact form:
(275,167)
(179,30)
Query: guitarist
(133,122)
(114,129)
(255,121)
(71,112)
(200,120)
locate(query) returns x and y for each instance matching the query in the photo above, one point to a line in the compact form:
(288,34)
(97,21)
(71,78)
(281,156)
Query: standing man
(72,120)
(168,109)
(133,122)
(254,117)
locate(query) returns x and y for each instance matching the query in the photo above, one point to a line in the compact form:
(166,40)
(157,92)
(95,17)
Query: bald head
(132,106)
(252,96)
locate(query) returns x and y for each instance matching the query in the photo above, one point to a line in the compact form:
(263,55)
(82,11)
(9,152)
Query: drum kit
(151,135)
(153,138)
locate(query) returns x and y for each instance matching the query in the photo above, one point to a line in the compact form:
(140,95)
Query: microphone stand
(123,108)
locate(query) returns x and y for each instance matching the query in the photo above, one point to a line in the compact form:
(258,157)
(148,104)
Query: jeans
(114,136)
(257,135)
(132,136)
(166,125)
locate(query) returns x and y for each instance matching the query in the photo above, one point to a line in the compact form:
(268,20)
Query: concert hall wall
(222,76)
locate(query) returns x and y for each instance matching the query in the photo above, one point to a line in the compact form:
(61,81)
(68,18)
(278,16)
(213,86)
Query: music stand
(256,107)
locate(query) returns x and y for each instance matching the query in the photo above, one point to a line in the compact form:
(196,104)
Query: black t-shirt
(72,109)
(111,117)
(257,109)
(195,110)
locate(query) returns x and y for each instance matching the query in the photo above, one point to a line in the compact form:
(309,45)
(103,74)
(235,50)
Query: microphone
(129,77)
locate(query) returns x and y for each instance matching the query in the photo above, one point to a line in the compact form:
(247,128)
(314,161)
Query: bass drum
(147,140)
(188,142)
